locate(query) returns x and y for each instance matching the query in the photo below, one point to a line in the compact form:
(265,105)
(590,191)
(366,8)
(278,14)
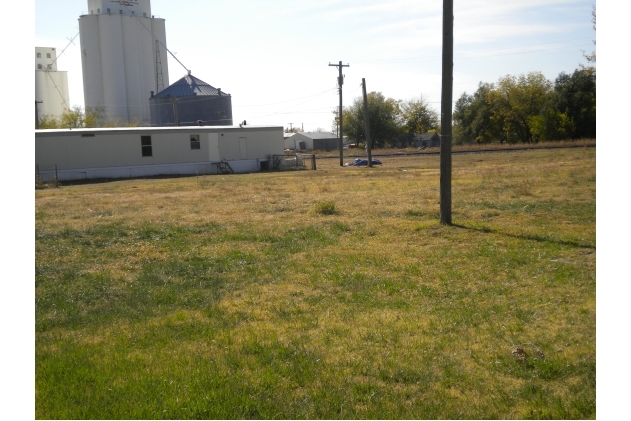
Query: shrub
(325,208)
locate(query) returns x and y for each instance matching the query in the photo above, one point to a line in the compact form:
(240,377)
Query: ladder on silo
(225,168)
(159,78)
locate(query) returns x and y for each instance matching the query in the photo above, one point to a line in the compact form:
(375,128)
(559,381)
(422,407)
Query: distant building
(51,85)
(194,101)
(427,140)
(322,141)
(123,57)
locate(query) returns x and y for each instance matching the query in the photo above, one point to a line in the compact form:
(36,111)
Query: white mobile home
(145,151)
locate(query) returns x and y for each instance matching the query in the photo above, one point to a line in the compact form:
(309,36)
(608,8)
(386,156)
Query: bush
(325,208)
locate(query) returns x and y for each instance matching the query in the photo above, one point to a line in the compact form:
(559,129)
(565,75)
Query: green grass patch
(325,208)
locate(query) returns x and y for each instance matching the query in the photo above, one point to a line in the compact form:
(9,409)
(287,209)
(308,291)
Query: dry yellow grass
(236,290)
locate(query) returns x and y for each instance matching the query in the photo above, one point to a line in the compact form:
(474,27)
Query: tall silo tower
(51,85)
(123,56)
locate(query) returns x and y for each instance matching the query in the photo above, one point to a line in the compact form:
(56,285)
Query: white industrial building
(51,85)
(144,151)
(309,141)
(123,57)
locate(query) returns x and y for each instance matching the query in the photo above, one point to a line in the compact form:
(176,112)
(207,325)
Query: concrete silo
(51,85)
(123,57)
(190,102)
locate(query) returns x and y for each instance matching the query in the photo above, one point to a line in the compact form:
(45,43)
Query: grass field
(332,293)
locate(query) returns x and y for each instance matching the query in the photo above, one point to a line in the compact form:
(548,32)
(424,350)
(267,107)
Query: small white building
(76,154)
(309,141)
(51,85)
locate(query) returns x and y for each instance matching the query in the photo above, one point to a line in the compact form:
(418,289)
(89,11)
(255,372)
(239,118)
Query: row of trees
(390,119)
(528,108)
(76,118)
(525,108)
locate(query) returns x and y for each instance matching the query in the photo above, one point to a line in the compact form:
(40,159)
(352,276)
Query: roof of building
(90,132)
(189,85)
(428,136)
(317,135)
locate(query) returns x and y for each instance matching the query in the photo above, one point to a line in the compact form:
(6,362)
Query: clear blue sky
(273,56)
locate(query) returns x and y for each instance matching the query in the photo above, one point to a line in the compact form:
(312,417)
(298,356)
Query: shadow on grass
(533,237)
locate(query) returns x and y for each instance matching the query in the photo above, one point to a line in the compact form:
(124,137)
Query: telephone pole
(446,112)
(340,82)
(367,124)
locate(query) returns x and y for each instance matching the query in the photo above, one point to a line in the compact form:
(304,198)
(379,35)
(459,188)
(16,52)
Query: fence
(46,173)
(294,162)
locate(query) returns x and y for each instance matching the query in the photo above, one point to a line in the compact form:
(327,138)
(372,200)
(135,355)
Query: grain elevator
(123,57)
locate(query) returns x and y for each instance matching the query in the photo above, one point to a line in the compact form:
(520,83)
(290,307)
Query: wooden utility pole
(37,114)
(340,82)
(367,124)
(446,112)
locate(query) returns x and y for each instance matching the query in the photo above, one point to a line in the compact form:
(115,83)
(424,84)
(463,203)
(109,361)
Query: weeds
(325,208)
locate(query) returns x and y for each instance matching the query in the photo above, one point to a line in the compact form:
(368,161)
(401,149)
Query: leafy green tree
(72,118)
(384,117)
(418,117)
(48,121)
(550,124)
(517,99)
(475,117)
(575,96)
(97,117)
(76,117)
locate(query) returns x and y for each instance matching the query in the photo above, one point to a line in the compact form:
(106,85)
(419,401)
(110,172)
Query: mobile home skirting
(200,168)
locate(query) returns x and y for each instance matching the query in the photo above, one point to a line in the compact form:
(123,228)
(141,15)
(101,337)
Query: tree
(72,118)
(97,117)
(575,96)
(418,117)
(550,124)
(529,108)
(475,117)
(76,117)
(383,114)
(517,99)
(48,121)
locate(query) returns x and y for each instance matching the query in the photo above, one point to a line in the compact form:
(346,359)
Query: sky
(273,56)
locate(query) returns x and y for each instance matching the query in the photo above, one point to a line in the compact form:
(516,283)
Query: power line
(65,48)
(289,100)
(63,100)
(156,38)
(438,56)
(280,111)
